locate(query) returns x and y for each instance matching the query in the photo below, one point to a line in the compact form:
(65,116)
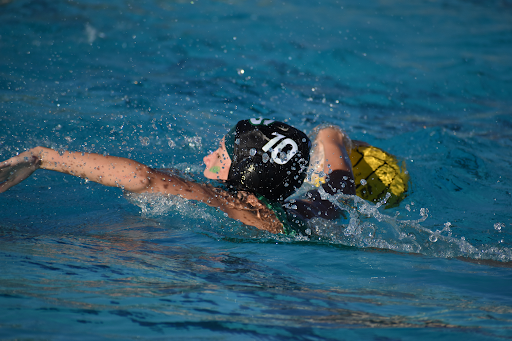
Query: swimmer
(259,163)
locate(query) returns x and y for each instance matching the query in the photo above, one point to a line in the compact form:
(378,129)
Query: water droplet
(252,151)
(265,157)
(499,226)
(144,140)
(363,182)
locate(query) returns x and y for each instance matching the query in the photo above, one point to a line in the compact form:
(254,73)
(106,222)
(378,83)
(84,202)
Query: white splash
(366,226)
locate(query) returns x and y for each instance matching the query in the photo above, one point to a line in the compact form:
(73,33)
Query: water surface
(162,81)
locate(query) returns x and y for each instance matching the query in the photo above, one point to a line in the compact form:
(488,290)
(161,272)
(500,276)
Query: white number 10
(277,150)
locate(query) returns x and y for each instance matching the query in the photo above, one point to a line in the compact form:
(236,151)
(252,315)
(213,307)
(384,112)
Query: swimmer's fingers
(17,169)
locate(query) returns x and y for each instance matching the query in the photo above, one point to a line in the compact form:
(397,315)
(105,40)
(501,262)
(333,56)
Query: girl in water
(260,163)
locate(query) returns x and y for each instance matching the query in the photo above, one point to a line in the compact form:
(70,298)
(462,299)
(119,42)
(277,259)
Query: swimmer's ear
(15,171)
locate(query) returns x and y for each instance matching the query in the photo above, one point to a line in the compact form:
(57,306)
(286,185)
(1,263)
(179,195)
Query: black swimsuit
(293,214)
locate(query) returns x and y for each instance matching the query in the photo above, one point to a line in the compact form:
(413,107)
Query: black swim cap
(268,158)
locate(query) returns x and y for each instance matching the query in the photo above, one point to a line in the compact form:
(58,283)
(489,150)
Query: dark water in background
(160,81)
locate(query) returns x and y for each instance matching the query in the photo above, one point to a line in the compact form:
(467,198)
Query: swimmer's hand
(17,169)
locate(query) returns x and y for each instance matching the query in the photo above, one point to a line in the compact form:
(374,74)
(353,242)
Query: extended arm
(127,174)
(106,170)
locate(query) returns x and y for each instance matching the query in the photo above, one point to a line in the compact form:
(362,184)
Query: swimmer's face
(217,163)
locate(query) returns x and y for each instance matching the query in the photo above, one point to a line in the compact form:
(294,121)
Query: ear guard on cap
(268,158)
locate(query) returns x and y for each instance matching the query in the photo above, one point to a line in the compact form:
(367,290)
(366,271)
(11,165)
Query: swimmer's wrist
(39,155)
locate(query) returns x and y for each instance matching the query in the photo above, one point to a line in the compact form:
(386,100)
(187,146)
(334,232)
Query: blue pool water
(161,81)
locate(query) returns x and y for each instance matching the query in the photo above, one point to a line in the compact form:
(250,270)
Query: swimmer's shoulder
(247,208)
